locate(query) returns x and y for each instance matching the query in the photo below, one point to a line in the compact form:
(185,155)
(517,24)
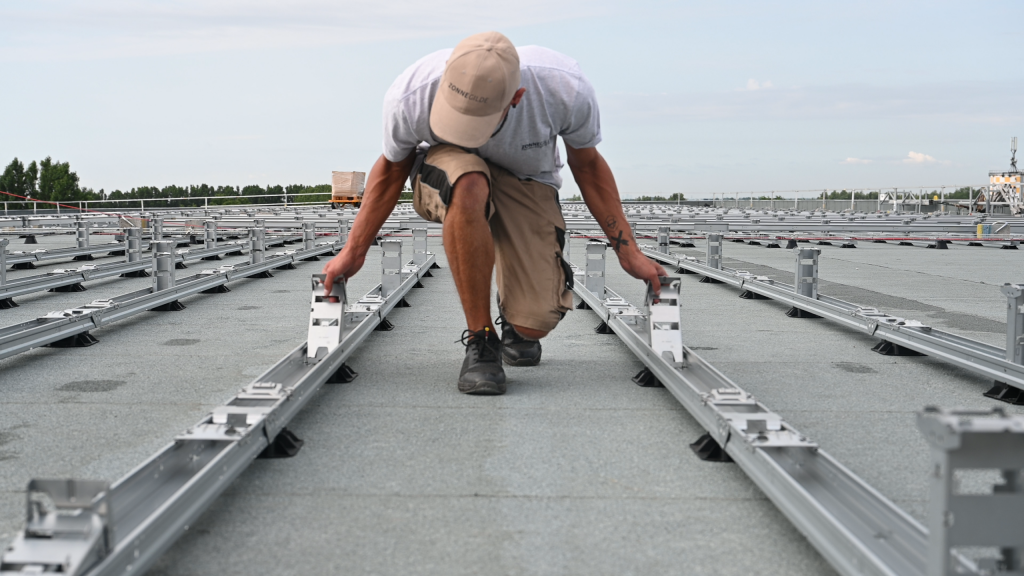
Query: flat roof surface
(575,470)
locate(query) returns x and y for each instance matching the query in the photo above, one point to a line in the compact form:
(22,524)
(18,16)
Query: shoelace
(480,338)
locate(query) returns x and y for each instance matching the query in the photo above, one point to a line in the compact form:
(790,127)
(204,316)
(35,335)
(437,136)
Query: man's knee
(470,192)
(530,332)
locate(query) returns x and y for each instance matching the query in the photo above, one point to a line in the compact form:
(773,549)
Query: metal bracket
(594,273)
(664,320)
(327,321)
(69,519)
(966,441)
(391,266)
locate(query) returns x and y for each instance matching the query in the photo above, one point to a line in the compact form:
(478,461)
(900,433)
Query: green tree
(57,182)
(19,180)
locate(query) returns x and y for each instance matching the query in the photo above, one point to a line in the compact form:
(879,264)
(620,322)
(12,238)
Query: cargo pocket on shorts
(431,192)
(566,269)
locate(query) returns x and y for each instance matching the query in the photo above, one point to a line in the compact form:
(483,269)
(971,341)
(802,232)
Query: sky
(695,97)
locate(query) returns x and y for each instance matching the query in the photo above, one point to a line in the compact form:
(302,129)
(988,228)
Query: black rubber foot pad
(603,328)
(795,312)
(684,271)
(169,307)
(709,280)
(83,258)
(116,253)
(288,266)
(311,259)
(217,289)
(427,274)
(847,245)
(264,274)
(790,244)
(235,253)
(647,379)
(136,274)
(214,257)
(343,375)
(76,287)
(1005,393)
(879,242)
(403,303)
(24,266)
(8,303)
(748,295)
(887,348)
(772,245)
(384,326)
(1008,247)
(285,445)
(77,341)
(418,284)
(434,266)
(583,305)
(180,266)
(31,239)
(708,450)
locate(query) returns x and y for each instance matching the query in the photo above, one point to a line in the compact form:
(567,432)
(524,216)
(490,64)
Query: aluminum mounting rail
(1003,365)
(21,257)
(854,527)
(69,328)
(77,527)
(70,279)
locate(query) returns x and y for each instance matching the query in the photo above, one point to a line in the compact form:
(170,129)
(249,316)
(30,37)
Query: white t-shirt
(559,101)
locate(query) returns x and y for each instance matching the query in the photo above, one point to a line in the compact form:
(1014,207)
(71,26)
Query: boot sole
(521,361)
(482,388)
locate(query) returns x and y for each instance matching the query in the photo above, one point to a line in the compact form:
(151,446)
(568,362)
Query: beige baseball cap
(479,81)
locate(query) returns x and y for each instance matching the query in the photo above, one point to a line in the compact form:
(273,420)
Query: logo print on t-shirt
(532,145)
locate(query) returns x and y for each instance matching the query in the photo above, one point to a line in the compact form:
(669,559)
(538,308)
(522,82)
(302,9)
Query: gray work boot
(481,370)
(515,349)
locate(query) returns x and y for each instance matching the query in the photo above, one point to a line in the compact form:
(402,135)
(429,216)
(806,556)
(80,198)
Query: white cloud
(755,85)
(855,161)
(918,158)
(948,103)
(65,29)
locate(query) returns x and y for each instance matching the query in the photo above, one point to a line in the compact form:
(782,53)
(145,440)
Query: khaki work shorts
(534,282)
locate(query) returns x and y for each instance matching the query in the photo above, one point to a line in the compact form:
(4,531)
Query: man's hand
(642,268)
(383,188)
(597,185)
(344,265)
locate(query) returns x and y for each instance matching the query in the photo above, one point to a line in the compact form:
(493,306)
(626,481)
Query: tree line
(54,181)
(958,194)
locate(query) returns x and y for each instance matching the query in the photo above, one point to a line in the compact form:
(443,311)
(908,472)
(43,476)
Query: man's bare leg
(470,249)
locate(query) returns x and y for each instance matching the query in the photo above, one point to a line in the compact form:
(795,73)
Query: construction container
(347,187)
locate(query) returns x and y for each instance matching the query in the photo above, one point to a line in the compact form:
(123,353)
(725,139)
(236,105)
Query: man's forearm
(597,186)
(383,189)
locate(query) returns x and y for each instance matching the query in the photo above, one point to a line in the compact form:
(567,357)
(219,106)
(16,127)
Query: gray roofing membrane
(575,470)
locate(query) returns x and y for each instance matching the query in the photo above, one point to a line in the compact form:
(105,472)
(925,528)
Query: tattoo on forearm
(618,242)
(611,222)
